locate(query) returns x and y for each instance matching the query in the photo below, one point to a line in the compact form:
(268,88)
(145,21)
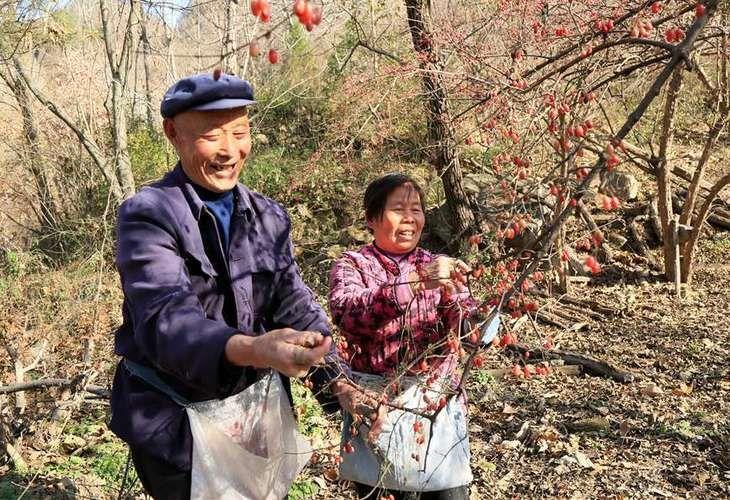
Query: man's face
(212,145)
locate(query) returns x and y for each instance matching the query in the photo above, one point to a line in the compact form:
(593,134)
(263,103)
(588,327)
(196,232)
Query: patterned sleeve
(357,308)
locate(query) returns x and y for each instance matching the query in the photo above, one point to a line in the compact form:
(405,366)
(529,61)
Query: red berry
(256,6)
(592,264)
(273,56)
(265,15)
(300,7)
(348,448)
(606,203)
(217,74)
(700,10)
(597,237)
(656,7)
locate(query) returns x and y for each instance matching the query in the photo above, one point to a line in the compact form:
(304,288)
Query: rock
(623,186)
(593,424)
(617,239)
(652,389)
(72,442)
(437,226)
(512,444)
(475,184)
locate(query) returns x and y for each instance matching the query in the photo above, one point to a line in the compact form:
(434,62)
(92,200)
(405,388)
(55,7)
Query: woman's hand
(443,272)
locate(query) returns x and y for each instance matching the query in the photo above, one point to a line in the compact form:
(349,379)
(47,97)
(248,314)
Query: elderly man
(212,294)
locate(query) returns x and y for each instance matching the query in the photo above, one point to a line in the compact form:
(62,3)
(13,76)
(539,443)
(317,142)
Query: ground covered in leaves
(667,434)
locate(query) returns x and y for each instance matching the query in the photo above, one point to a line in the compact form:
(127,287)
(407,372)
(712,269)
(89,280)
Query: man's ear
(168,125)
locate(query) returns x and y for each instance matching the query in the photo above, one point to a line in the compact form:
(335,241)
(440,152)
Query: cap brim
(223,104)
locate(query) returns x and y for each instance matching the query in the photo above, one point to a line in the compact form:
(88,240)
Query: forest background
(575,153)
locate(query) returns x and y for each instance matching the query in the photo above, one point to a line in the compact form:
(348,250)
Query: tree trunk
(119,70)
(664,174)
(228,57)
(86,141)
(146,54)
(441,138)
(47,211)
(690,246)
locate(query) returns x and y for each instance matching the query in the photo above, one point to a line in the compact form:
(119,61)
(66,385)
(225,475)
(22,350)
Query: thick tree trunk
(441,137)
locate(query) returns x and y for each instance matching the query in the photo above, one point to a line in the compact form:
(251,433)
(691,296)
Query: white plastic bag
(246,446)
(390,463)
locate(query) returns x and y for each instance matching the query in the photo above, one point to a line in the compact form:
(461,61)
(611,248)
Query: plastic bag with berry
(247,445)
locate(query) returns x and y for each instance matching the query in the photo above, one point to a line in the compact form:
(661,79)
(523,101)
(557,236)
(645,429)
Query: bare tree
(146,56)
(119,65)
(46,211)
(228,47)
(441,134)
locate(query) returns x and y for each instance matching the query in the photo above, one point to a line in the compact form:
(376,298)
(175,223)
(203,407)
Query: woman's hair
(378,191)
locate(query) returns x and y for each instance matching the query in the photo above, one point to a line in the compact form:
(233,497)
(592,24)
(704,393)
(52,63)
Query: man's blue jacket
(184,297)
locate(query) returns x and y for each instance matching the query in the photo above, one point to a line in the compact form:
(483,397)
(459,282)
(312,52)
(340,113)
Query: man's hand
(288,351)
(357,401)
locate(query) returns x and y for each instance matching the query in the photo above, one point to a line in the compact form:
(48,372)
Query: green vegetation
(150,153)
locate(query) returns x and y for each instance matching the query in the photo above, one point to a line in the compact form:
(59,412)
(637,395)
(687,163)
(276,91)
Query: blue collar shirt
(186,294)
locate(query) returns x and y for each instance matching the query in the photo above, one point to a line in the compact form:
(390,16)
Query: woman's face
(399,228)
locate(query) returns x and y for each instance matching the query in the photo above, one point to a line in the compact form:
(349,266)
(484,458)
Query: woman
(400,308)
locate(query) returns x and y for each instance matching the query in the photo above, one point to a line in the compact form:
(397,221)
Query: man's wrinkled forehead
(200,121)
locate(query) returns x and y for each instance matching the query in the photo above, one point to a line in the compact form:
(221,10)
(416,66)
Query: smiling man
(212,294)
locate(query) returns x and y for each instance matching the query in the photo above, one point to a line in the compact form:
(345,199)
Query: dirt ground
(667,434)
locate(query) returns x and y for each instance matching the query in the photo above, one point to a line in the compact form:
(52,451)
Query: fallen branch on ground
(53,382)
(590,366)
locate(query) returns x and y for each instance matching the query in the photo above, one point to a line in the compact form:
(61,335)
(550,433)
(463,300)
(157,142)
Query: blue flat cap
(205,92)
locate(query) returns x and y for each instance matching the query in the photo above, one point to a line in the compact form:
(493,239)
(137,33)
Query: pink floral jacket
(382,320)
